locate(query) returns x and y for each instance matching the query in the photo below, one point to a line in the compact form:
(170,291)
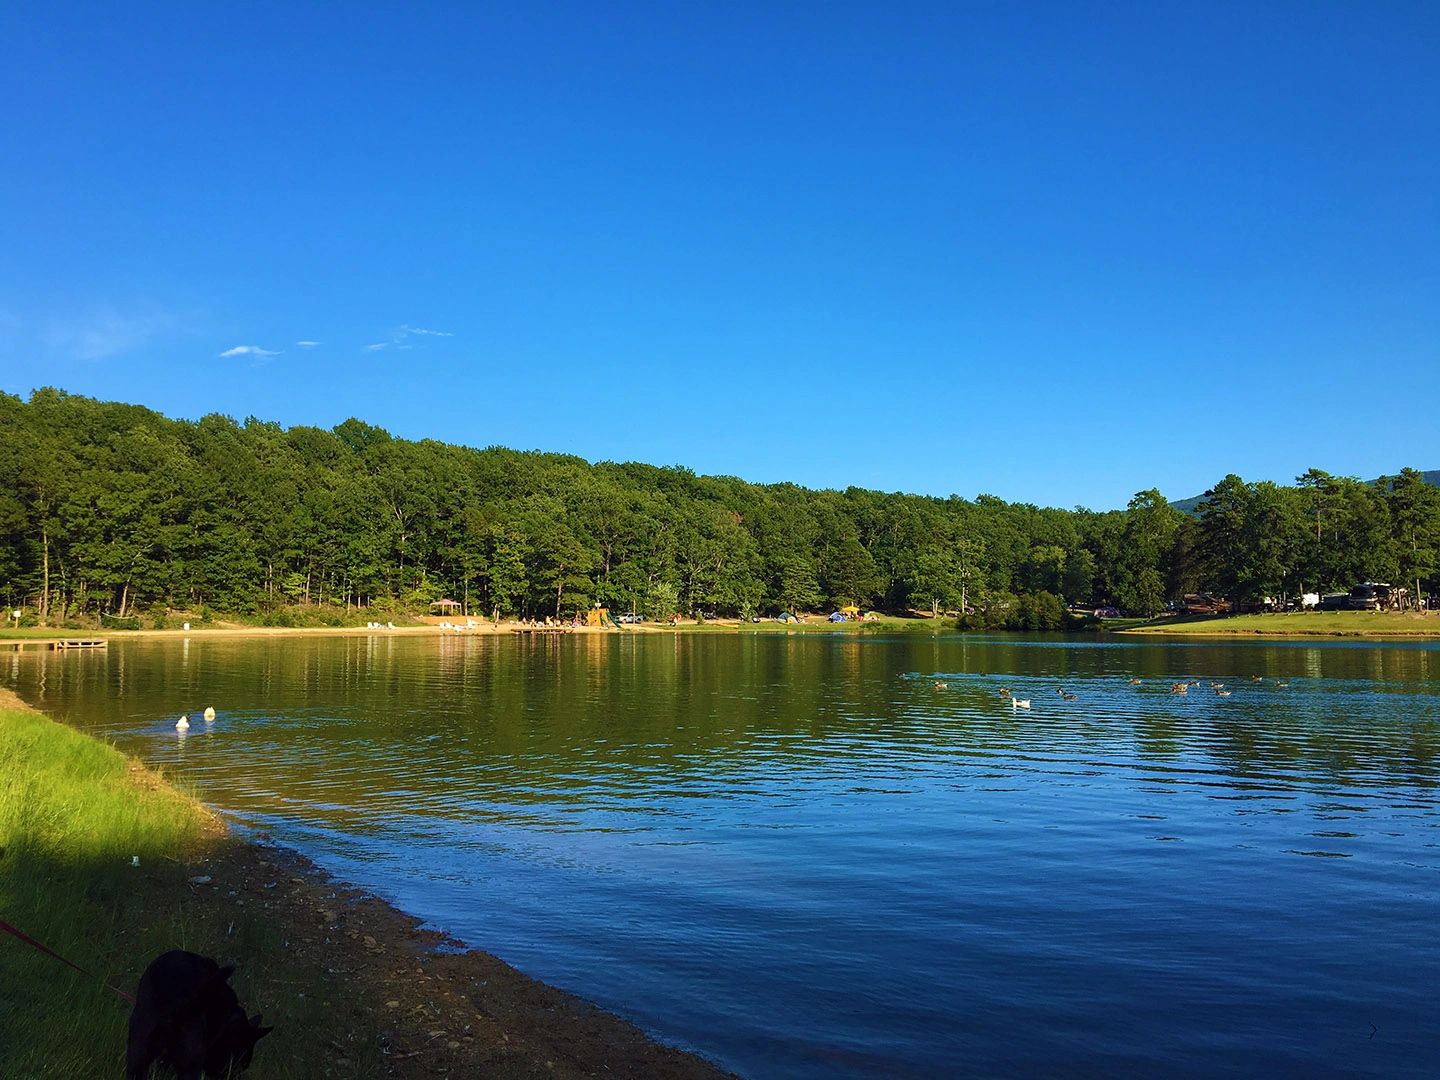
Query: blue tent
(835,616)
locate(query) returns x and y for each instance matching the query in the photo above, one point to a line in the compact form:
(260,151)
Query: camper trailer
(1375,596)
(1205,604)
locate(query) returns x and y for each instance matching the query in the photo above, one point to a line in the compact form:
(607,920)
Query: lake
(799,856)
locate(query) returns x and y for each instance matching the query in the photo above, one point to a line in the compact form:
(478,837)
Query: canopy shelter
(446,607)
(850,610)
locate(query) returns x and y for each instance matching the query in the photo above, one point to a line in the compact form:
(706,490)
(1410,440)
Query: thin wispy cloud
(308,344)
(399,338)
(249,350)
(106,333)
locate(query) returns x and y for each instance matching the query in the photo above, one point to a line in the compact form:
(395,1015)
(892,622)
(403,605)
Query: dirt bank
(460,1014)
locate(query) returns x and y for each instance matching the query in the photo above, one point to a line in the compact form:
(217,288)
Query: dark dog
(186,1016)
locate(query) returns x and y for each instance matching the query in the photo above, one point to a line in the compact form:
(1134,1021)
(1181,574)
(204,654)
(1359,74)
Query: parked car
(629,617)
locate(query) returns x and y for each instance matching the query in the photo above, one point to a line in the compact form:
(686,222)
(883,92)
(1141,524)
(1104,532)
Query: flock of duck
(1182,687)
(183,724)
(1218,687)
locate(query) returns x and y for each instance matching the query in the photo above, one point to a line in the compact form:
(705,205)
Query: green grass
(1301,624)
(73,813)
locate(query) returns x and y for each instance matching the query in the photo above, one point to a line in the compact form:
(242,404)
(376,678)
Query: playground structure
(600,616)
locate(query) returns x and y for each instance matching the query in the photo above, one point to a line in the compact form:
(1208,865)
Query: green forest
(113,510)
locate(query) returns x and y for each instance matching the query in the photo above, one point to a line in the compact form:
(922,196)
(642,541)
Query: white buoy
(209,713)
(183,724)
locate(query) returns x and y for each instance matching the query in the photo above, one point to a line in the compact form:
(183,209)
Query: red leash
(5,926)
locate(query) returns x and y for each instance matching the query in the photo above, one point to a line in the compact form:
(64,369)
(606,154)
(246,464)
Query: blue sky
(1052,252)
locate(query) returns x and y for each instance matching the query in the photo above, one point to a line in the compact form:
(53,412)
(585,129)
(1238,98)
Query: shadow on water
(798,855)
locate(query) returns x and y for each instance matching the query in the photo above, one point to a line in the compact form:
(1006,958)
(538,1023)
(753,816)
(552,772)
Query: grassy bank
(73,815)
(1377,624)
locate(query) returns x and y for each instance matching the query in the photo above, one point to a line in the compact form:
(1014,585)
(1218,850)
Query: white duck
(209,714)
(1019,703)
(183,724)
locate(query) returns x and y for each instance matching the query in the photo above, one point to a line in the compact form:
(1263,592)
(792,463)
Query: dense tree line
(114,509)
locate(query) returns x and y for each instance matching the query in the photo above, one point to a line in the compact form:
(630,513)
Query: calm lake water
(798,856)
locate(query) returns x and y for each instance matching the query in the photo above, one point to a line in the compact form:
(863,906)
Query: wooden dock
(542,629)
(54,645)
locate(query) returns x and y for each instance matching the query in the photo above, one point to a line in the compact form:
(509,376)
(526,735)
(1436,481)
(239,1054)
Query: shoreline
(1214,629)
(402,1008)
(1343,626)
(12,640)
(460,1012)
(481,629)
(1288,635)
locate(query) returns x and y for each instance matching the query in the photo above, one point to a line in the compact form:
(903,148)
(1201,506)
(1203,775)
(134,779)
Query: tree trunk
(45,574)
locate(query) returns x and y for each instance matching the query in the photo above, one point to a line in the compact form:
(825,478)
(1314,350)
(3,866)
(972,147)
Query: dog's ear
(260,1032)
(225,972)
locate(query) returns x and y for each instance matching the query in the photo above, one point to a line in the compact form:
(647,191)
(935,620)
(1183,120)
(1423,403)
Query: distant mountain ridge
(1192,504)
